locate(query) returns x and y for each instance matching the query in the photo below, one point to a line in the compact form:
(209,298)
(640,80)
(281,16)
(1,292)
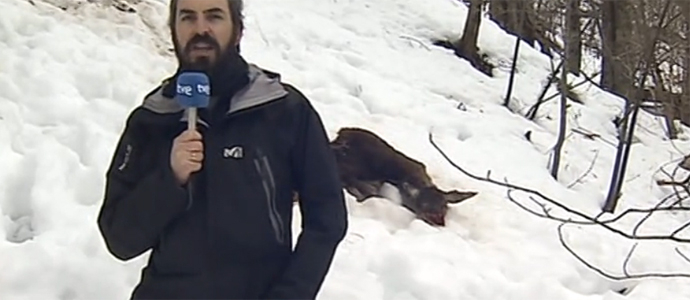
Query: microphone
(193,92)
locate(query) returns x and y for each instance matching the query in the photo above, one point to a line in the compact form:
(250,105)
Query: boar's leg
(363,190)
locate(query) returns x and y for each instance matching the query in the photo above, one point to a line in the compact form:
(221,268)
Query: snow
(70,77)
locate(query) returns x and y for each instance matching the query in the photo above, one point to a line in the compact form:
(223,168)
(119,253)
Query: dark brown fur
(366,162)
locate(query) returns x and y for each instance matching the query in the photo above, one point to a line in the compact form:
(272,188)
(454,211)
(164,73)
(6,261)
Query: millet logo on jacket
(235,152)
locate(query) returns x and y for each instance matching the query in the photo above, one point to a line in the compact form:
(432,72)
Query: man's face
(204,30)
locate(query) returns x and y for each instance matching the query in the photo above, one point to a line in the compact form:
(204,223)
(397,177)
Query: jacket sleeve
(323,210)
(139,201)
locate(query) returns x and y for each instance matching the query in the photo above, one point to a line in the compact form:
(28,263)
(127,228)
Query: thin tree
(572,33)
(513,69)
(632,108)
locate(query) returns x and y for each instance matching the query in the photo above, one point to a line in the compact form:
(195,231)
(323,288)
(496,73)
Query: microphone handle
(191,125)
(191,118)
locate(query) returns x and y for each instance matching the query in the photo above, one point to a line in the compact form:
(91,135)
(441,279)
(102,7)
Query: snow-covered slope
(69,78)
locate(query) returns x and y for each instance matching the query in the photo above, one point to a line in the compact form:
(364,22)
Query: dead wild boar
(365,162)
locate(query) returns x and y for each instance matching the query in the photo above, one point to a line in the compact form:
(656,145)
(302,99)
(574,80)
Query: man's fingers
(195,166)
(192,135)
(194,146)
(196,156)
(189,135)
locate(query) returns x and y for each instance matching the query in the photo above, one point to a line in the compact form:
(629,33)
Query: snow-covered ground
(69,79)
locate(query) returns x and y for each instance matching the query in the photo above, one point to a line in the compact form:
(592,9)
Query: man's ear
(238,38)
(457,197)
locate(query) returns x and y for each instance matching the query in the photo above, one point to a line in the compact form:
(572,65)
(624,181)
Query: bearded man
(214,204)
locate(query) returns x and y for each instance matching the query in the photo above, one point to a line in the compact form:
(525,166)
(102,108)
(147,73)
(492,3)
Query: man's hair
(235,7)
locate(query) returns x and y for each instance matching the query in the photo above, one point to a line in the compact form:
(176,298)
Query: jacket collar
(263,87)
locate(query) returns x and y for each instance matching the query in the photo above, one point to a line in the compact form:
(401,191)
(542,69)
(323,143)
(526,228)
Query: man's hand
(186,155)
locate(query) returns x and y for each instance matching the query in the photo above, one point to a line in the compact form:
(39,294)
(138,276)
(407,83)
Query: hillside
(70,77)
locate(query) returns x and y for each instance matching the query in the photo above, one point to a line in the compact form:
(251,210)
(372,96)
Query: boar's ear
(457,197)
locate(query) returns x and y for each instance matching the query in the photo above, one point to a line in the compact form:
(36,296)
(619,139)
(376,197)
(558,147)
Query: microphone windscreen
(193,90)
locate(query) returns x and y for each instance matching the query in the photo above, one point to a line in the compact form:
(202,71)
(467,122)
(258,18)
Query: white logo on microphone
(187,90)
(184,90)
(203,89)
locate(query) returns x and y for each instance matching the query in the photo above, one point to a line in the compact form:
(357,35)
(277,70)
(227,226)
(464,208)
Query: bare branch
(626,274)
(590,220)
(682,255)
(546,212)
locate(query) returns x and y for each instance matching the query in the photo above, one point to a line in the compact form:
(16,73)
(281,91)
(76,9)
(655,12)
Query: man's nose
(203,26)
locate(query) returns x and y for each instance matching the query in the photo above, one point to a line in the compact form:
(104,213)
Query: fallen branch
(546,213)
(590,220)
(626,273)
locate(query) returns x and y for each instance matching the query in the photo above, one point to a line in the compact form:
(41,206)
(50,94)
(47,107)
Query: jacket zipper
(264,168)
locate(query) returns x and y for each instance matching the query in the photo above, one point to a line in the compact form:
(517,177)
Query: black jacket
(230,237)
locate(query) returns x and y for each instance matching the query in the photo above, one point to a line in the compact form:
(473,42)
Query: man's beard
(227,73)
(202,63)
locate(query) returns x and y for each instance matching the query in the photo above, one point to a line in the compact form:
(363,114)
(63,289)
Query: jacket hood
(264,86)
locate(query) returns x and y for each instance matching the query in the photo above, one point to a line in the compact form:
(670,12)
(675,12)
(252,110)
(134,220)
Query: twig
(626,262)
(589,135)
(682,255)
(683,184)
(592,135)
(547,212)
(589,170)
(416,40)
(601,272)
(572,87)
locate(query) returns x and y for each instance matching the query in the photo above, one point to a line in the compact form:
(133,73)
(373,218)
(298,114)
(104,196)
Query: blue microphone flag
(193,90)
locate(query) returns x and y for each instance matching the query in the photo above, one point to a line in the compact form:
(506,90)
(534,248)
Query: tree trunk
(650,37)
(562,122)
(511,15)
(619,59)
(573,41)
(498,10)
(680,110)
(667,102)
(511,81)
(466,47)
(608,39)
(470,35)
